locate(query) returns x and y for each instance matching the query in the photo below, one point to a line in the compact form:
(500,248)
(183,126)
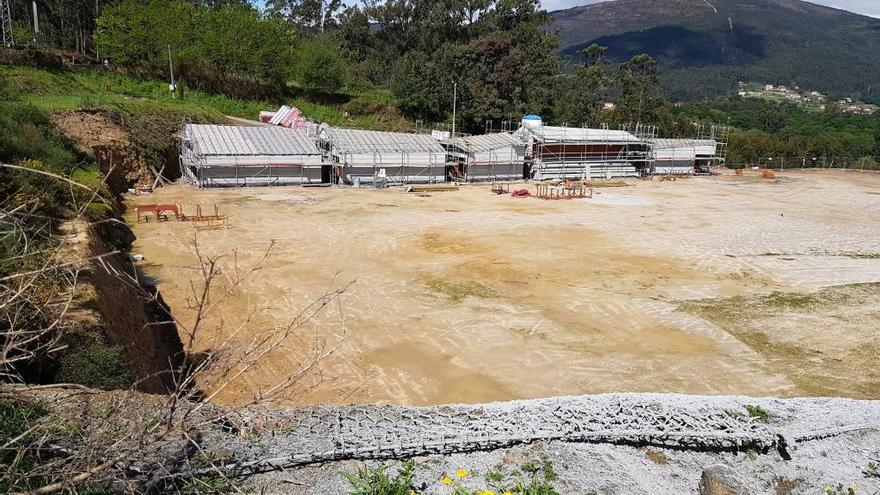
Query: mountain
(706,46)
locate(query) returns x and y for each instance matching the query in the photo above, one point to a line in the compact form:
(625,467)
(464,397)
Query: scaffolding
(6,23)
(362,156)
(720,134)
(488,157)
(233,156)
(586,153)
(678,157)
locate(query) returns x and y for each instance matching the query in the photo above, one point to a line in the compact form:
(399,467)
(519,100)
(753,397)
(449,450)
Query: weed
(208,484)
(752,454)
(106,411)
(872,471)
(530,478)
(839,490)
(376,481)
(758,413)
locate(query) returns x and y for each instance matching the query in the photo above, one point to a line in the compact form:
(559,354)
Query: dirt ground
(466,296)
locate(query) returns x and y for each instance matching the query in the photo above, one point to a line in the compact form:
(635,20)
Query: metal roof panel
(228,140)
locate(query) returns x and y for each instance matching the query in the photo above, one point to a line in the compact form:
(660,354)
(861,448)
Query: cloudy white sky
(866,7)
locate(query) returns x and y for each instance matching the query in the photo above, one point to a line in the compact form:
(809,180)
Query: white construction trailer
(683,156)
(365,156)
(487,157)
(240,156)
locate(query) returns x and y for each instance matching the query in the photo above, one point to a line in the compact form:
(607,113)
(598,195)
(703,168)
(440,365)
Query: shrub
(320,71)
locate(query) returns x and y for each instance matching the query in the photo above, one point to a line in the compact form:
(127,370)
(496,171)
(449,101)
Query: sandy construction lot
(466,296)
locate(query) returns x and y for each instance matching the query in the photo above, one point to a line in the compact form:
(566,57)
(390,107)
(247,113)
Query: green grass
(94,364)
(16,417)
(55,90)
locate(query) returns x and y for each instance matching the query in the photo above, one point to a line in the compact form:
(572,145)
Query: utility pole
(454,103)
(171,86)
(6,23)
(36,21)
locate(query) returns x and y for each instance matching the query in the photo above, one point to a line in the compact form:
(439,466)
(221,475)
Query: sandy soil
(466,296)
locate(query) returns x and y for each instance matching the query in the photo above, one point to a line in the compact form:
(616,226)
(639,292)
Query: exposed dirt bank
(95,134)
(135,314)
(115,307)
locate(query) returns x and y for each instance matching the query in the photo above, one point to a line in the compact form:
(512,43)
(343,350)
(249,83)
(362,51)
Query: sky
(865,7)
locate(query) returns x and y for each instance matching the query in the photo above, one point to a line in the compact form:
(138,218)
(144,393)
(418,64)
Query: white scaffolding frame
(399,157)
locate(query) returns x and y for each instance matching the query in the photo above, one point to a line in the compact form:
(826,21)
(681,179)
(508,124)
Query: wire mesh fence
(811,162)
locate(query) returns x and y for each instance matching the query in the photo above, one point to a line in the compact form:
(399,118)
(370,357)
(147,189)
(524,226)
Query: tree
(497,51)
(309,14)
(319,70)
(639,99)
(233,42)
(421,87)
(583,94)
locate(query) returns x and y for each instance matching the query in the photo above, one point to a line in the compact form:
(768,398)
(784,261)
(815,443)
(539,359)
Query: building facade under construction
(499,156)
(683,156)
(241,156)
(217,155)
(586,153)
(360,156)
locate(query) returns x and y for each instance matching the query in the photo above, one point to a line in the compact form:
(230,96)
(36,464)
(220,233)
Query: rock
(719,479)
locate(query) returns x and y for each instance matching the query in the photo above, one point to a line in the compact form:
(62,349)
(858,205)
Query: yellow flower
(487,492)
(411,492)
(446,480)
(461,473)
(507,493)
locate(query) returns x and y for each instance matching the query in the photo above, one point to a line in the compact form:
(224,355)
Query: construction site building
(238,156)
(683,156)
(488,157)
(585,153)
(397,157)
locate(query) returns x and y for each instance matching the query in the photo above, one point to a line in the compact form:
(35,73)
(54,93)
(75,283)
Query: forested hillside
(396,64)
(706,47)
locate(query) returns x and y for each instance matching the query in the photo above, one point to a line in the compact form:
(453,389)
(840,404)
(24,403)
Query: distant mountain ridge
(706,46)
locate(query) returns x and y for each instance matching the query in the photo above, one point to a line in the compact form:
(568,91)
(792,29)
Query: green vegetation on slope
(769,129)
